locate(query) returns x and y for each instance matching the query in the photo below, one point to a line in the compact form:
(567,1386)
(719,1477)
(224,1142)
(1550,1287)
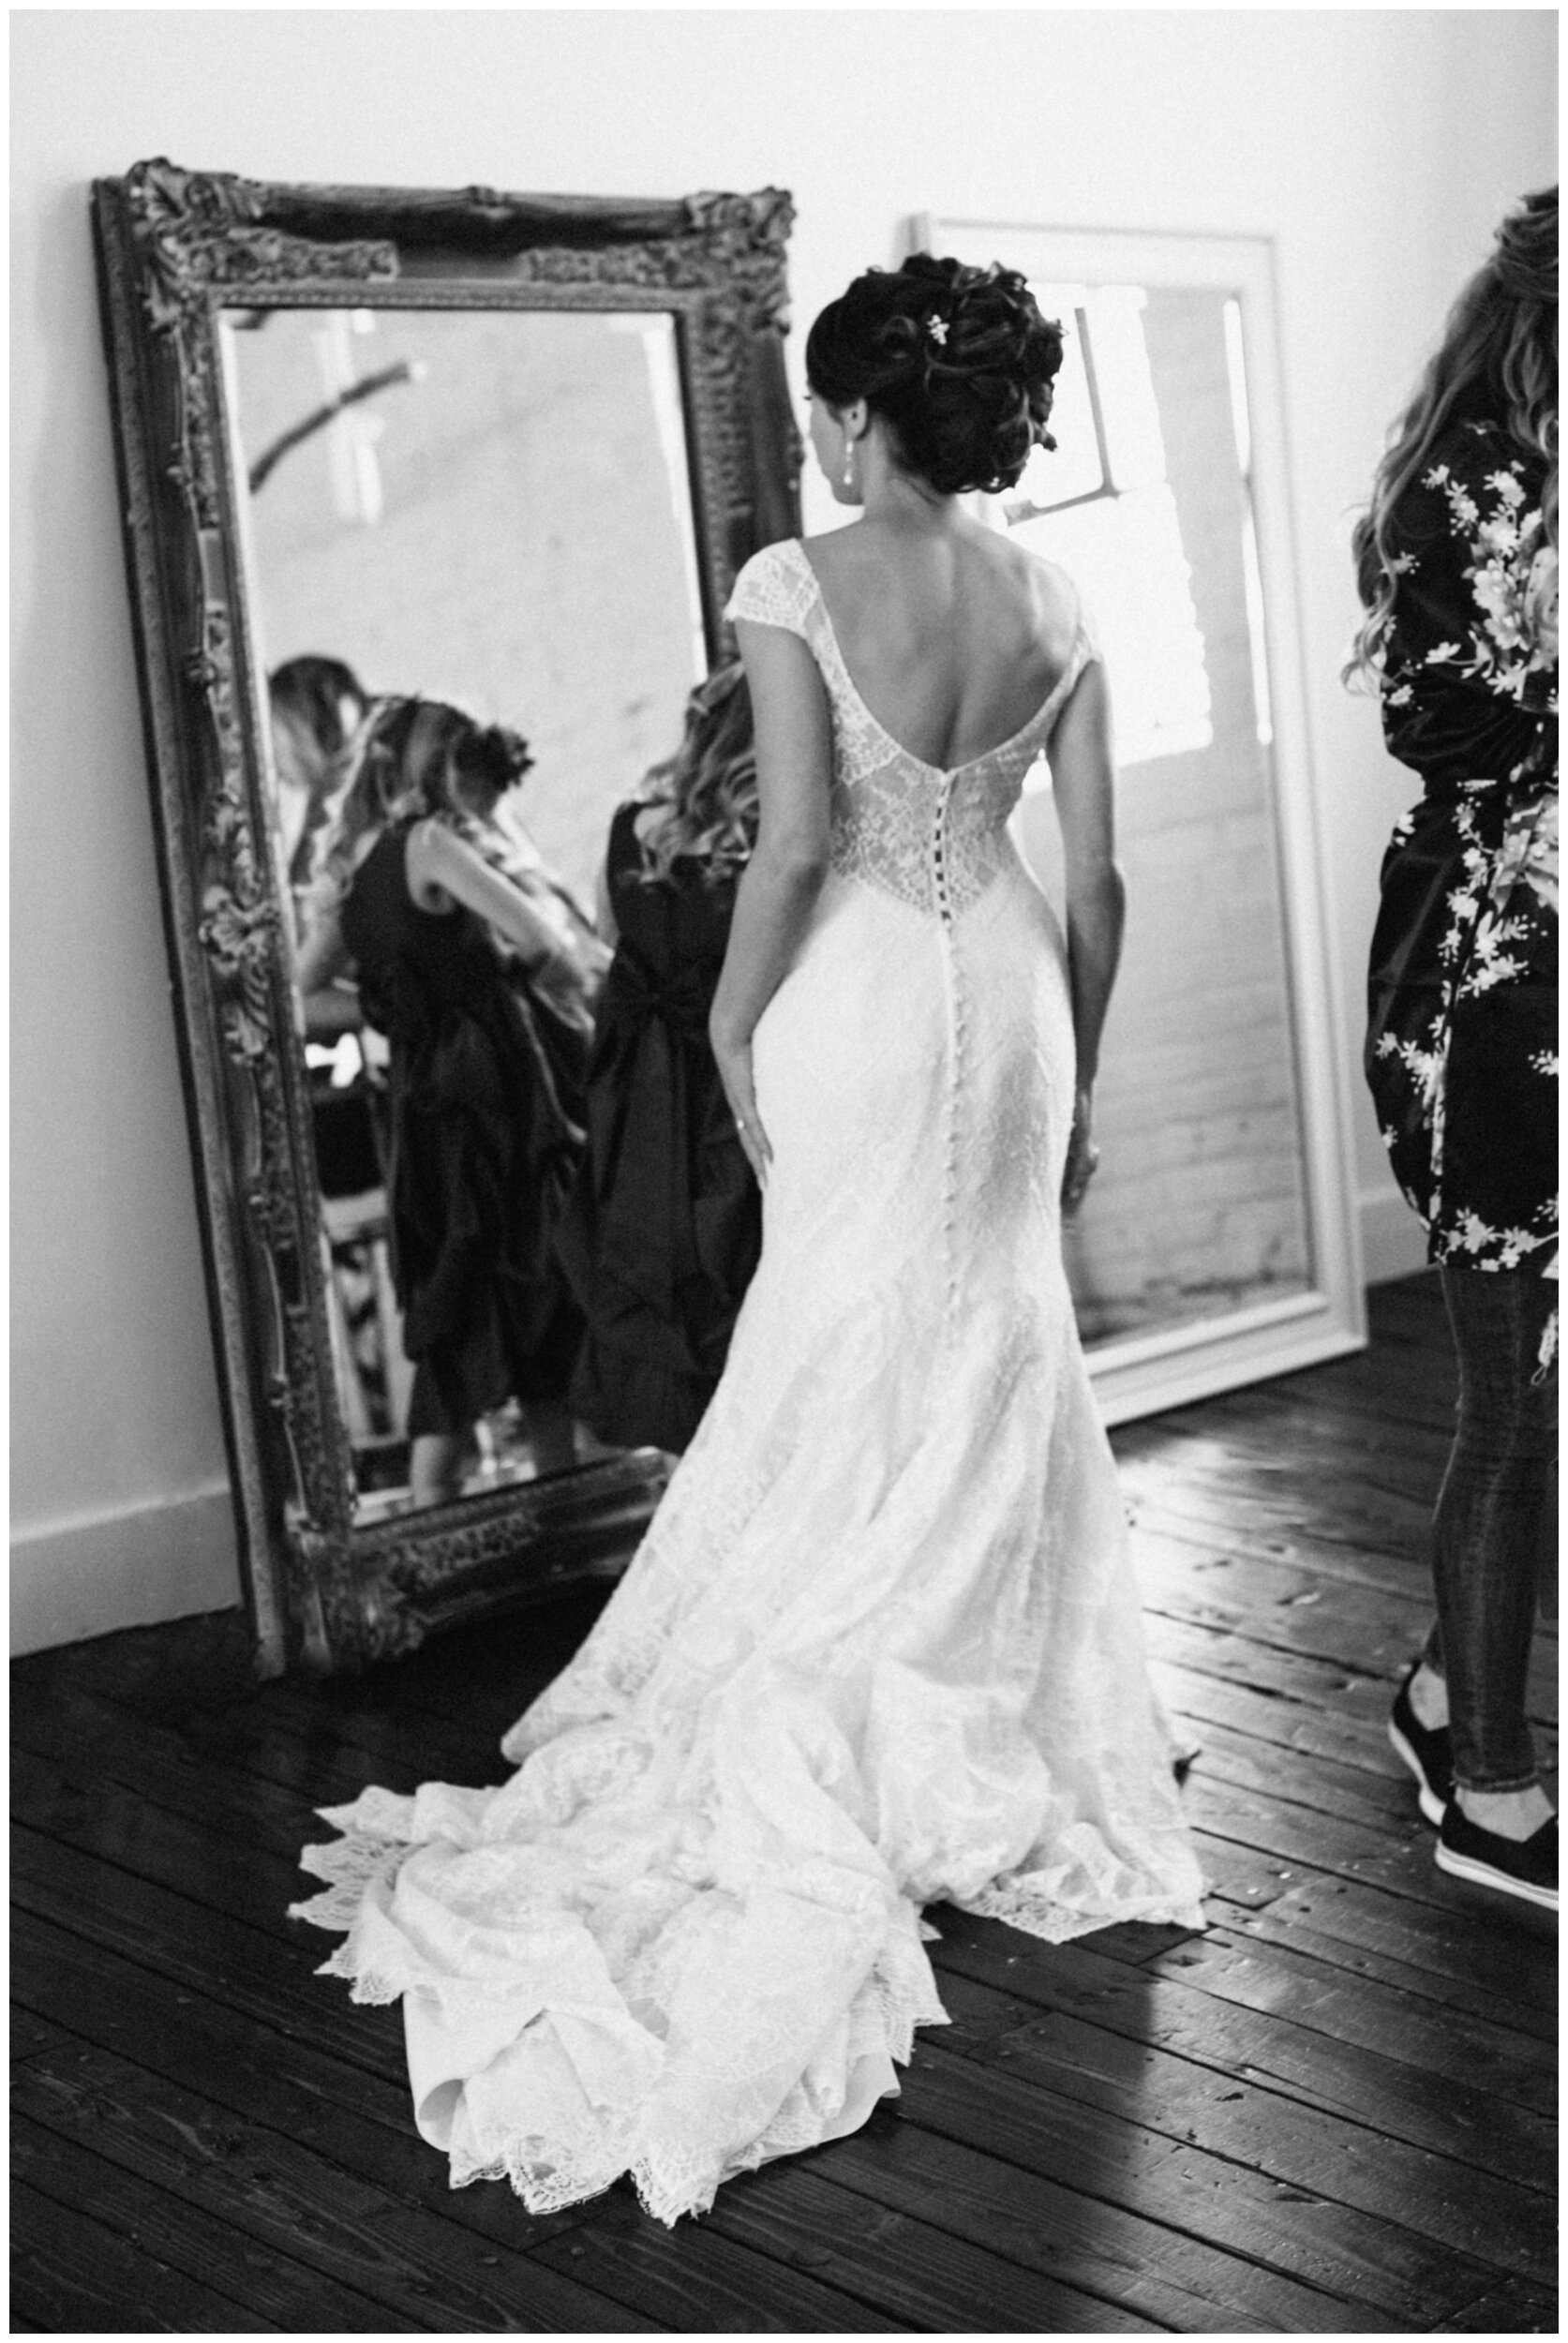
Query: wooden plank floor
(1332,2112)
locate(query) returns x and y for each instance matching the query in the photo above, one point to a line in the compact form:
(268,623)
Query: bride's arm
(1083,785)
(781,882)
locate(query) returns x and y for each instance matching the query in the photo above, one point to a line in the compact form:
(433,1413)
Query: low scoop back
(935,837)
(779,587)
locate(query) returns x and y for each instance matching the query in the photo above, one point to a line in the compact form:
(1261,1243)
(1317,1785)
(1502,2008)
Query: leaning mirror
(495,455)
(1216,1245)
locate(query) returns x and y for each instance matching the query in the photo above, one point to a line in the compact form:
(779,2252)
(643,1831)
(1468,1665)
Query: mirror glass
(490,508)
(1199,1207)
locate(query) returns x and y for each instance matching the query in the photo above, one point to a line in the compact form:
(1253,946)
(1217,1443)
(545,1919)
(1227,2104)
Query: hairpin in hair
(937,330)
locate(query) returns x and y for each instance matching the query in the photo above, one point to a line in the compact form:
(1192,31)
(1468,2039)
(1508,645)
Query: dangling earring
(847,476)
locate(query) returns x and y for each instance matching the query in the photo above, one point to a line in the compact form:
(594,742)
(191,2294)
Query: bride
(881,1646)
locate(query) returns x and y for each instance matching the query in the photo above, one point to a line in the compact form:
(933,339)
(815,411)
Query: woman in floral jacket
(1456,563)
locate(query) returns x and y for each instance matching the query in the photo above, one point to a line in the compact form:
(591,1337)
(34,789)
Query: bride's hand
(735,1071)
(1083,1154)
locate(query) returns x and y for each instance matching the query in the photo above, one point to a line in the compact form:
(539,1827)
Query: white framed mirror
(1218,1244)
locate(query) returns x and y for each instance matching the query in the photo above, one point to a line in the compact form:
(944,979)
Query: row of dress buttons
(949,1180)
(939,864)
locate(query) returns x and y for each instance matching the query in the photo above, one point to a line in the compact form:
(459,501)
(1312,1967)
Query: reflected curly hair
(708,788)
(959,361)
(317,704)
(315,694)
(1497,359)
(414,758)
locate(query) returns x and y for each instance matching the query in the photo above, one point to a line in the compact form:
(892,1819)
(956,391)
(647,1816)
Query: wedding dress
(881,1645)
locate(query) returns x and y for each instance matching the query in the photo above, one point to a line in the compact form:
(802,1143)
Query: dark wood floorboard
(1333,2112)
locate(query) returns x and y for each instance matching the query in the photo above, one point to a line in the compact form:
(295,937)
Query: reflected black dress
(666,1225)
(486,1136)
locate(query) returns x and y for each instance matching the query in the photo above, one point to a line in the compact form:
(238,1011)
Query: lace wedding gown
(881,1644)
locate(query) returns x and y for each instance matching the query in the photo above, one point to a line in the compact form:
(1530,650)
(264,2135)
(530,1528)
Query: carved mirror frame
(174,249)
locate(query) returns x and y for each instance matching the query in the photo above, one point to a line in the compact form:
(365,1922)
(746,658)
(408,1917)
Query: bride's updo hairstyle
(958,361)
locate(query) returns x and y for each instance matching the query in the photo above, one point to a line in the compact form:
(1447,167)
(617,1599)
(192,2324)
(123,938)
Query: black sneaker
(1428,1750)
(1520,1867)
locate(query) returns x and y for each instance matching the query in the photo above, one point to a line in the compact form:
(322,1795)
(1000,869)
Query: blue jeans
(1490,1517)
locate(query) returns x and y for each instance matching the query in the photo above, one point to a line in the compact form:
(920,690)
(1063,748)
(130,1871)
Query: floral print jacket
(1461,1051)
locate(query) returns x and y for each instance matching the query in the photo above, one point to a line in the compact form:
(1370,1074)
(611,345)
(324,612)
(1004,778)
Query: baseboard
(129,1569)
(1392,1240)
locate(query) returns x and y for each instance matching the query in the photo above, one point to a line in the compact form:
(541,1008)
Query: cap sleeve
(775,588)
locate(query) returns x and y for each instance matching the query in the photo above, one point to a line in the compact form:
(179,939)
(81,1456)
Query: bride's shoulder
(1035,601)
(832,554)
(858,564)
(1052,590)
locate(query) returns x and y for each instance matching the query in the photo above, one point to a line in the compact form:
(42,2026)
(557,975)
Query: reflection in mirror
(485,513)
(1199,1206)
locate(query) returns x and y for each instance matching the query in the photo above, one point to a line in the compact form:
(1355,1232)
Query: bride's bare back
(953,636)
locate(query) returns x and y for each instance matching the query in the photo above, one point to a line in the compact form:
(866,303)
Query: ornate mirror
(503,452)
(1218,1243)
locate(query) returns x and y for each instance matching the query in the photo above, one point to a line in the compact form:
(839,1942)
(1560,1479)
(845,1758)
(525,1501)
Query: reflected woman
(1458,566)
(316,705)
(666,1223)
(454,962)
(881,1646)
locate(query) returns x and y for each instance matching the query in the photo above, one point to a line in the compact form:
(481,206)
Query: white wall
(1378,148)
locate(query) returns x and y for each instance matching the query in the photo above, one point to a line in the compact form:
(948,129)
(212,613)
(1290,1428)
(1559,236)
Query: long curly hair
(414,758)
(959,361)
(1497,359)
(708,788)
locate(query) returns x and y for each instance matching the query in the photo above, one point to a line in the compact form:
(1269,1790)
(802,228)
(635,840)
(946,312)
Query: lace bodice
(934,839)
